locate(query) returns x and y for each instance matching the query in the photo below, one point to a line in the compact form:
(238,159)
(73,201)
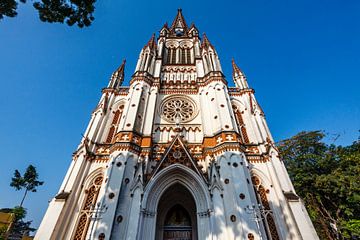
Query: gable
(177,153)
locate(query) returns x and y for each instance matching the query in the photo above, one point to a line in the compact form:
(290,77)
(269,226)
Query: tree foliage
(20,226)
(327,178)
(71,12)
(29,181)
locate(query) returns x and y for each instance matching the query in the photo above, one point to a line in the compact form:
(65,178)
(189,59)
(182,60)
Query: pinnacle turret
(117,77)
(205,42)
(151,43)
(238,76)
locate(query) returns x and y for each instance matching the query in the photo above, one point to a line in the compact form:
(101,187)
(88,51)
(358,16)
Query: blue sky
(301,57)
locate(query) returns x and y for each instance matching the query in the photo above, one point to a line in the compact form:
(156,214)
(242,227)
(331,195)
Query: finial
(117,77)
(238,76)
(236,70)
(151,43)
(206,43)
(122,66)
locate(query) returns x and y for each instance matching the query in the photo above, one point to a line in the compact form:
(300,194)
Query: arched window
(178,56)
(182,56)
(173,56)
(241,124)
(188,56)
(91,195)
(114,124)
(267,216)
(168,59)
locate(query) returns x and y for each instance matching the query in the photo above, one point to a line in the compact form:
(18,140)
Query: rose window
(178,109)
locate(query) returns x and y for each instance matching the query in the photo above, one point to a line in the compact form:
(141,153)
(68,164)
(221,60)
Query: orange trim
(146,142)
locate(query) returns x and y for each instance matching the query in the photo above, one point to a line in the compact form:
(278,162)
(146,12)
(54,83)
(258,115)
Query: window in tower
(182,56)
(207,62)
(114,124)
(110,134)
(212,62)
(188,56)
(173,56)
(241,125)
(168,55)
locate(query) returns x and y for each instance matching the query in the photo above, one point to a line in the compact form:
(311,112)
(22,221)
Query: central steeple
(179,26)
(180,59)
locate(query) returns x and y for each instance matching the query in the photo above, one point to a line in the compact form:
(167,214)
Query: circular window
(111,195)
(101,236)
(178,109)
(177,154)
(119,219)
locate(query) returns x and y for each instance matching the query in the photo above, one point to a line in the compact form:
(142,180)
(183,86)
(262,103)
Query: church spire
(151,43)
(238,76)
(117,77)
(179,26)
(206,43)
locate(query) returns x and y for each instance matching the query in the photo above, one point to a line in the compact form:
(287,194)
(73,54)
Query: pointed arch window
(178,56)
(267,216)
(241,124)
(114,124)
(212,62)
(188,56)
(183,56)
(91,195)
(173,56)
(168,57)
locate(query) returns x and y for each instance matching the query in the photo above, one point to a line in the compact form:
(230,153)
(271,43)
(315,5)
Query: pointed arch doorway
(176,215)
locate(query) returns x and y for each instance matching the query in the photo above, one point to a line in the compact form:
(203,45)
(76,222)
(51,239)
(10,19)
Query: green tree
(71,12)
(29,181)
(327,178)
(3,232)
(20,226)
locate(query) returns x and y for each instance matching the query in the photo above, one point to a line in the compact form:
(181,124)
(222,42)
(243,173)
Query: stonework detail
(178,108)
(173,154)
(91,195)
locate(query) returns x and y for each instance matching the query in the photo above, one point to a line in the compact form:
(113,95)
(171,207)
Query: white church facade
(177,155)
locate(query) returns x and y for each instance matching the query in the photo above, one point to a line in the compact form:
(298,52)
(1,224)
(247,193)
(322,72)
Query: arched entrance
(175,184)
(176,215)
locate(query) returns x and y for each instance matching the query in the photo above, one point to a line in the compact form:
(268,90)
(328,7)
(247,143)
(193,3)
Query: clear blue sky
(302,58)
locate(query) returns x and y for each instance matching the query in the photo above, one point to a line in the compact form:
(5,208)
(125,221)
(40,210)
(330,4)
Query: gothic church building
(177,155)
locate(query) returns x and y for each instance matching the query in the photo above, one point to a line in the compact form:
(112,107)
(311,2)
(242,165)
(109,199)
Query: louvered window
(85,215)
